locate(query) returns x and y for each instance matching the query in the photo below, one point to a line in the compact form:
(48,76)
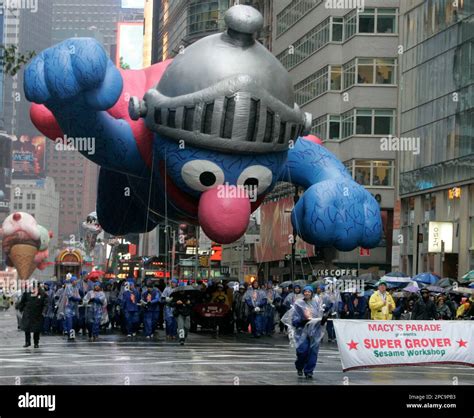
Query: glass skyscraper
(436,111)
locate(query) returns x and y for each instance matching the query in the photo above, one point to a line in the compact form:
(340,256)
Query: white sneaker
(129,335)
(148,337)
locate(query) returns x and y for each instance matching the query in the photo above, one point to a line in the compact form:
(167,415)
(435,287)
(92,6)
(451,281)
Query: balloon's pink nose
(16,216)
(224,213)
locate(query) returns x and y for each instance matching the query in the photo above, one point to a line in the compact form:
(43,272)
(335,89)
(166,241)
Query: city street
(204,360)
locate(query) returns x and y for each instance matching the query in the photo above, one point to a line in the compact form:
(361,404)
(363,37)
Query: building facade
(87,18)
(351,90)
(437,111)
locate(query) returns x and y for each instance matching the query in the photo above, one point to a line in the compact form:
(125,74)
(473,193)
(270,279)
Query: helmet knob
(243,22)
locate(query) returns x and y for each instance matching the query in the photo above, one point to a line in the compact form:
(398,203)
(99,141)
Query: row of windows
(371,173)
(336,77)
(380,122)
(339,29)
(29,206)
(29,196)
(292,13)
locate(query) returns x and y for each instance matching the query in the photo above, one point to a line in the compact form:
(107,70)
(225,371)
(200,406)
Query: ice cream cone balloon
(25,243)
(22,257)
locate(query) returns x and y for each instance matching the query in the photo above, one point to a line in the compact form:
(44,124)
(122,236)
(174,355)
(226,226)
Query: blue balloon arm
(108,142)
(310,163)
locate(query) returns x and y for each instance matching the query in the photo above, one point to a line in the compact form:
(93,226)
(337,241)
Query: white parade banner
(365,343)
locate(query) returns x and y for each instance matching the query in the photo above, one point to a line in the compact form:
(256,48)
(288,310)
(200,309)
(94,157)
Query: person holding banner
(305,320)
(381,303)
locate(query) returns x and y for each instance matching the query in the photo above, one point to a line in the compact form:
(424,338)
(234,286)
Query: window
(348,124)
(337,29)
(368,122)
(385,70)
(370,71)
(336,77)
(362,172)
(384,122)
(327,127)
(334,127)
(351,24)
(373,20)
(319,127)
(349,70)
(365,71)
(367,21)
(386,20)
(313,86)
(318,83)
(363,122)
(291,14)
(382,173)
(371,173)
(307,45)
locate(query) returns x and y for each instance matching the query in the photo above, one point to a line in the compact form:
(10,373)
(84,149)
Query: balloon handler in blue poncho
(306,320)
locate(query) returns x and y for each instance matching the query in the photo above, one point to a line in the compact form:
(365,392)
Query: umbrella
(428,278)
(436,289)
(369,278)
(402,294)
(463,290)
(471,285)
(446,282)
(368,293)
(286,284)
(396,274)
(412,288)
(302,283)
(96,274)
(190,290)
(468,277)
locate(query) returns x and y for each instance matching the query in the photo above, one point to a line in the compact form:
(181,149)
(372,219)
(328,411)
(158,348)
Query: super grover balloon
(176,139)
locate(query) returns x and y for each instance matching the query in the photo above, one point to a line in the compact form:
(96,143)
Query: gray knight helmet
(227,93)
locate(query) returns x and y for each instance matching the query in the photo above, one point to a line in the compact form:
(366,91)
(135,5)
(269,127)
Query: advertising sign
(276,232)
(437,232)
(129,45)
(28,157)
(404,343)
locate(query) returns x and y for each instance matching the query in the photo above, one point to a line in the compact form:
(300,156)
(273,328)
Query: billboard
(133,4)
(129,45)
(28,157)
(276,231)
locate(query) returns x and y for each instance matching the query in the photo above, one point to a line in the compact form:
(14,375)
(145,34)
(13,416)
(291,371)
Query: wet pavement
(204,360)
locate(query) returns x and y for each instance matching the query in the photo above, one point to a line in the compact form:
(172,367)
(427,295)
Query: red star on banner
(352,345)
(462,343)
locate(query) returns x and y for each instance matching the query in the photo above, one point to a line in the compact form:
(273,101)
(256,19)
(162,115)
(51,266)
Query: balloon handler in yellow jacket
(381,303)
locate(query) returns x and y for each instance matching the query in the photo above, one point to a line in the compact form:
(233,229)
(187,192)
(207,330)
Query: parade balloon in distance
(91,229)
(25,243)
(202,138)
